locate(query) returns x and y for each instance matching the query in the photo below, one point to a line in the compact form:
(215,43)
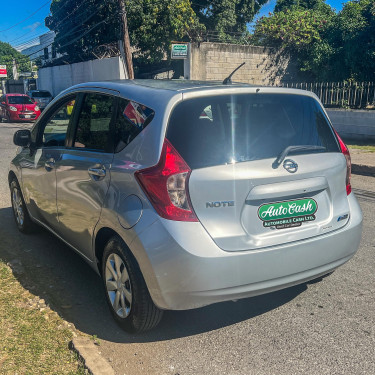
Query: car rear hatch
(266,169)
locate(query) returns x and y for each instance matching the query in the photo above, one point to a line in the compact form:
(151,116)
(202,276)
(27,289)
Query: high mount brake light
(345,151)
(166,185)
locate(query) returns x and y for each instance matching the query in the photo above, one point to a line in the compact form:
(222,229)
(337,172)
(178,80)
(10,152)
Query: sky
(22,22)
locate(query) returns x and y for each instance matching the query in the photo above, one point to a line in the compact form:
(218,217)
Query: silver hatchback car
(181,194)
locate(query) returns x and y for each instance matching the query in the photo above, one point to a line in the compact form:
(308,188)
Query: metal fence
(340,94)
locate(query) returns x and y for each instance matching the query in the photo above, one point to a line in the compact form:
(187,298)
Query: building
(44,49)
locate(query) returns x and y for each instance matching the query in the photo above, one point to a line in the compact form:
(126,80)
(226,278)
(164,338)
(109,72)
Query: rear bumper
(185,269)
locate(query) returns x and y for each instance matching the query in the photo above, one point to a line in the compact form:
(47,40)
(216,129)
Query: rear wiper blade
(280,158)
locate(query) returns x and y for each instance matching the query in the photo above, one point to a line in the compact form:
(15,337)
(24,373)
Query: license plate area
(287,214)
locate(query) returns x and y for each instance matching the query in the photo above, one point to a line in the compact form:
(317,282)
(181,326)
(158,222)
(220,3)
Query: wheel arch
(140,258)
(101,239)
(12,176)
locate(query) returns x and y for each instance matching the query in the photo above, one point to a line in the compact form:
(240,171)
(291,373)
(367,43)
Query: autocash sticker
(287,214)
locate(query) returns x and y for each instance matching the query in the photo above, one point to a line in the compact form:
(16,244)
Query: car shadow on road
(51,270)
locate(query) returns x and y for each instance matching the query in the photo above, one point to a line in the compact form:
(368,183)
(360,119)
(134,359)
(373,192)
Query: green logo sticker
(287,214)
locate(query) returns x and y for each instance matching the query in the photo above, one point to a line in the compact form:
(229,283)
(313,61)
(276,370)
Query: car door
(83,171)
(38,162)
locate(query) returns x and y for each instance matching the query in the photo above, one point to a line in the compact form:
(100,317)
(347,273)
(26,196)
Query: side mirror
(22,138)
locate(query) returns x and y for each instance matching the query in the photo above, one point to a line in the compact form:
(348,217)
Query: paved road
(321,328)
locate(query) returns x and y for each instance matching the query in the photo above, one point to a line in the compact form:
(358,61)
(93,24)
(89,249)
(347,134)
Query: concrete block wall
(353,124)
(58,78)
(215,61)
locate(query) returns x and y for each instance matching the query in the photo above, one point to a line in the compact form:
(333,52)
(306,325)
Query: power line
(35,41)
(73,31)
(26,34)
(25,19)
(58,24)
(72,41)
(66,17)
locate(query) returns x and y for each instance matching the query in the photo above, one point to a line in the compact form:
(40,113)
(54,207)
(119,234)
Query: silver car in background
(182,194)
(41,97)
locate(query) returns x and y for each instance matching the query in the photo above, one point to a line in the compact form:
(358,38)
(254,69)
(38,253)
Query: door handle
(97,173)
(49,164)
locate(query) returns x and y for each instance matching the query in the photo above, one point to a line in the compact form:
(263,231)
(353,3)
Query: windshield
(19,100)
(227,129)
(40,94)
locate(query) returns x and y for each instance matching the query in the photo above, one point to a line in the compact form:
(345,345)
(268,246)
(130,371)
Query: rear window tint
(40,94)
(131,120)
(227,129)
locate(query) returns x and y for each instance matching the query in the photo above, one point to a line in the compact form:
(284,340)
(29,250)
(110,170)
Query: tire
(129,301)
(20,213)
(6,118)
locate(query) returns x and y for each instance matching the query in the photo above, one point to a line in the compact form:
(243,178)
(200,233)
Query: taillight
(166,185)
(345,151)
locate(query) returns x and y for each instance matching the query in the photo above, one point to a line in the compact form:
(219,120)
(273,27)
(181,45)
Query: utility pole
(126,40)
(15,71)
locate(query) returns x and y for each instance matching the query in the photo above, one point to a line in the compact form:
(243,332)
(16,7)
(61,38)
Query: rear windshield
(19,100)
(40,94)
(229,129)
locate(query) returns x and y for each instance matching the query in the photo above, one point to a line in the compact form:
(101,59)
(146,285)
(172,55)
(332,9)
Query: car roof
(153,92)
(178,85)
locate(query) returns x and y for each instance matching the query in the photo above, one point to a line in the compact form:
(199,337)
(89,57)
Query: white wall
(59,78)
(353,124)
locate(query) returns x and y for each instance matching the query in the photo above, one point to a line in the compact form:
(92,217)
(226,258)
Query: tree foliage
(226,18)
(326,45)
(294,30)
(8,54)
(352,39)
(82,25)
(153,25)
(318,5)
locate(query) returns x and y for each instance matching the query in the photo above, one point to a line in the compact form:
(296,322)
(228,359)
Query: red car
(18,107)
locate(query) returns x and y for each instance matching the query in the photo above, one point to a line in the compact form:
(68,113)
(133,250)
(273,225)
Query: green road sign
(179,51)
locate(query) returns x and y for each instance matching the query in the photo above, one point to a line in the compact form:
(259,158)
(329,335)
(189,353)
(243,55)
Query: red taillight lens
(166,185)
(346,153)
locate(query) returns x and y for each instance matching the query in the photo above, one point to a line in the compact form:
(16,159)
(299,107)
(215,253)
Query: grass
(361,145)
(33,339)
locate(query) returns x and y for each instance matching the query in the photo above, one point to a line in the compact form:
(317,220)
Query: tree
(8,54)
(319,5)
(327,46)
(294,30)
(301,33)
(226,18)
(352,38)
(81,25)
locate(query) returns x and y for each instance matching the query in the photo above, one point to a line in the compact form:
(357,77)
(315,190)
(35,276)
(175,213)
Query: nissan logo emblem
(290,165)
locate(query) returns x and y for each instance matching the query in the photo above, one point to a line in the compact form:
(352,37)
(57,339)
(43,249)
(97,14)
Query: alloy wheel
(18,207)
(118,285)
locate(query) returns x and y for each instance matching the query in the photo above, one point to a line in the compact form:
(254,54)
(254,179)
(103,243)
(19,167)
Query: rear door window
(93,127)
(131,119)
(228,129)
(40,94)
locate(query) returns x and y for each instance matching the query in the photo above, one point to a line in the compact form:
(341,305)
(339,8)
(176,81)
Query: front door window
(56,128)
